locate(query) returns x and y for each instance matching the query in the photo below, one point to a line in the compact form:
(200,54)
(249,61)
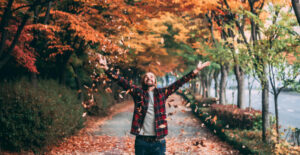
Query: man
(149,122)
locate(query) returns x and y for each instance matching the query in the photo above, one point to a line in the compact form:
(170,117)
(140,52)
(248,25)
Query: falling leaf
(84,114)
(162,41)
(188,109)
(127,91)
(214,120)
(162,126)
(170,114)
(108,90)
(83,104)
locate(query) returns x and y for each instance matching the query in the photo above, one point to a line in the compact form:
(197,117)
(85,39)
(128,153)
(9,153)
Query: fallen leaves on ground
(202,142)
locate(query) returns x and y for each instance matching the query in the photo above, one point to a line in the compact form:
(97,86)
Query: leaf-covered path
(110,135)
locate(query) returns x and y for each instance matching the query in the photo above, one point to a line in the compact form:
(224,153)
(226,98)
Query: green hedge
(103,101)
(32,118)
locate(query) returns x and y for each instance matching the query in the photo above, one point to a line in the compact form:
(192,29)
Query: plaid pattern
(141,100)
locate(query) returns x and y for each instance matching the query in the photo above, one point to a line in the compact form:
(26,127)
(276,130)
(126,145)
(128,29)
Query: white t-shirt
(148,128)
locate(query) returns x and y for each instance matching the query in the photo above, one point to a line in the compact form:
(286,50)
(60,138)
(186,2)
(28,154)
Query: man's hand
(200,66)
(102,61)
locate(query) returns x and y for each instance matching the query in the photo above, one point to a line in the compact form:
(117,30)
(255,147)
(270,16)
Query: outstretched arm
(173,87)
(125,84)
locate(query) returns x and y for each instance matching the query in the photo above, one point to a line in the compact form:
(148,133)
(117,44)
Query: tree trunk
(216,74)
(64,59)
(276,116)
(239,75)
(208,83)
(200,87)
(194,87)
(250,99)
(296,7)
(4,22)
(78,83)
(167,80)
(204,88)
(224,74)
(265,108)
(47,13)
(7,56)
(33,76)
(250,90)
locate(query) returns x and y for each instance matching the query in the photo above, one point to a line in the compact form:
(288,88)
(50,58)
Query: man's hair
(144,85)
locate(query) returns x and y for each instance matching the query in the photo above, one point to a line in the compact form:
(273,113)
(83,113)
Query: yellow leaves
(264,15)
(281,2)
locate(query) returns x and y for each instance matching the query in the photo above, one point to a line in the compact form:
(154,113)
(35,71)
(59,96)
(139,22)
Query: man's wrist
(105,68)
(196,71)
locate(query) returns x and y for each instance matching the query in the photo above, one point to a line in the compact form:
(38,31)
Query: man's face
(150,79)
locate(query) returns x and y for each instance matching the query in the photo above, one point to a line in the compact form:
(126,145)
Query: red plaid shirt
(141,100)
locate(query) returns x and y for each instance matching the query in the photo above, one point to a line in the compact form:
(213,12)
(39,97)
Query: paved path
(187,135)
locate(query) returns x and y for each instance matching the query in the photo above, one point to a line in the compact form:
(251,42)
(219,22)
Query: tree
(296,7)
(16,37)
(281,43)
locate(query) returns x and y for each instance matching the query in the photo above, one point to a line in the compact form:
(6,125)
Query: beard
(150,84)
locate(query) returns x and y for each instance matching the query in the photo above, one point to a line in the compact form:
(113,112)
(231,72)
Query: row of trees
(256,38)
(58,39)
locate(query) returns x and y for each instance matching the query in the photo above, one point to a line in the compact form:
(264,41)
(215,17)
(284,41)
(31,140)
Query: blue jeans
(149,148)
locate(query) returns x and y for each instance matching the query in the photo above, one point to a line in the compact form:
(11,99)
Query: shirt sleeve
(177,84)
(125,84)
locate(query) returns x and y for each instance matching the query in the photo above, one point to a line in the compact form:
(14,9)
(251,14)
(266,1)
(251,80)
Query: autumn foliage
(59,39)
(235,117)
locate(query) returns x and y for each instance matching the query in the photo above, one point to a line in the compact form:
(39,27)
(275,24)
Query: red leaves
(235,117)
(108,90)
(23,52)
(201,142)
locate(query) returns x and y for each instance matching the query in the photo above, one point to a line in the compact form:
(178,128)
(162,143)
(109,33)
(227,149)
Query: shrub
(205,102)
(103,101)
(32,118)
(237,118)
